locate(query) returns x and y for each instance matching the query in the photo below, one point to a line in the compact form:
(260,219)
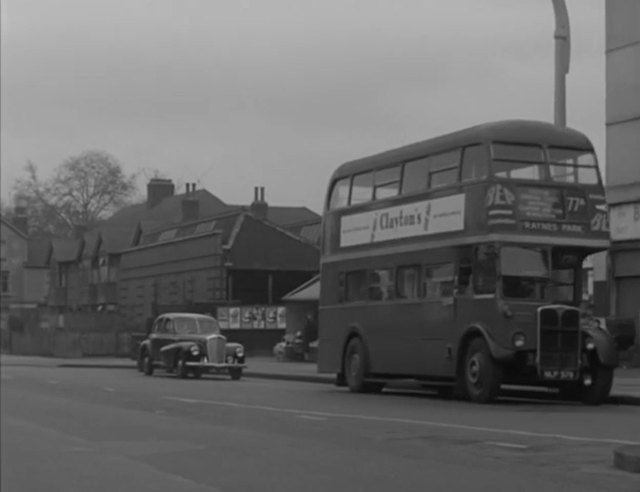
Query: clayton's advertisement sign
(422,218)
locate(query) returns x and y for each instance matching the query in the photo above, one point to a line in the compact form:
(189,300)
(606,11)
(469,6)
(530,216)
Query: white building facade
(623,154)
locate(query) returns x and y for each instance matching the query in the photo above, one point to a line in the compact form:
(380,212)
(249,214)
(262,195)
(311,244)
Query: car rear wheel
(235,373)
(482,374)
(147,364)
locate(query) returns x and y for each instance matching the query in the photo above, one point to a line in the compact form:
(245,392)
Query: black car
(185,343)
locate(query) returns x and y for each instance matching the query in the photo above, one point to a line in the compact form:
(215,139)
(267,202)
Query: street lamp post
(562,38)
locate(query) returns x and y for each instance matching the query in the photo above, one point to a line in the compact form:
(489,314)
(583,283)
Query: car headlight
(195,350)
(239,352)
(519,340)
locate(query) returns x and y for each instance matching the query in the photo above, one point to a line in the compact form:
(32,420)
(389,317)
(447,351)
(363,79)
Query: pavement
(105,430)
(626,389)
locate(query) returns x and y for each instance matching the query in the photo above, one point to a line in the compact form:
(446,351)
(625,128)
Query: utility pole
(562,36)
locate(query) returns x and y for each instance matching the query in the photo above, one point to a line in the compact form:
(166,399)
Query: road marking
(53,381)
(426,423)
(311,417)
(108,388)
(507,444)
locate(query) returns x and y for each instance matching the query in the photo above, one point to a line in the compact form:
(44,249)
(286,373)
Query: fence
(37,332)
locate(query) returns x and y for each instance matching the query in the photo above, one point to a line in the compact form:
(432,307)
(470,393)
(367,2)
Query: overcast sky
(278,93)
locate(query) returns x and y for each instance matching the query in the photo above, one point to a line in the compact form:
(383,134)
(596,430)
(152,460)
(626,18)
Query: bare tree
(82,190)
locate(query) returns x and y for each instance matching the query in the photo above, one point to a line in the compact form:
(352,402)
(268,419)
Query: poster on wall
(223,317)
(271,315)
(247,317)
(259,316)
(282,317)
(234,317)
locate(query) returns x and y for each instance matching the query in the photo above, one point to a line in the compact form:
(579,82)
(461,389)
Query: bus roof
(517,131)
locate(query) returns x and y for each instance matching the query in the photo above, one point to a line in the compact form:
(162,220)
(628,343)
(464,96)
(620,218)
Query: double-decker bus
(457,261)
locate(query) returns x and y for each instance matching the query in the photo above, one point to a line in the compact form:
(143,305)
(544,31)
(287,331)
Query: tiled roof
(66,249)
(168,211)
(285,216)
(311,232)
(10,225)
(224,223)
(38,250)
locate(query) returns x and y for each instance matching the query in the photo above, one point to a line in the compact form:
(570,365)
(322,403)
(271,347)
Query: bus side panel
(331,337)
(410,339)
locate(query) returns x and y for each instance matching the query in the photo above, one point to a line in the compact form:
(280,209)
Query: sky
(233,94)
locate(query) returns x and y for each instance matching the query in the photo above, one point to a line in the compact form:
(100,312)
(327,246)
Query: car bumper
(214,365)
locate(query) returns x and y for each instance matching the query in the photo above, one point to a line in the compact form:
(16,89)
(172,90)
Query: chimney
(190,208)
(157,190)
(259,208)
(20,219)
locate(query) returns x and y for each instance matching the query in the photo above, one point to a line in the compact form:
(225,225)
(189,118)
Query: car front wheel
(182,370)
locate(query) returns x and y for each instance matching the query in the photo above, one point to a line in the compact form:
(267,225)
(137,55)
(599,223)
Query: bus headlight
(519,340)
(590,344)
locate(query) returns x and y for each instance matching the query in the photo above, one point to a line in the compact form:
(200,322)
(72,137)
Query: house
(23,274)
(236,265)
(184,252)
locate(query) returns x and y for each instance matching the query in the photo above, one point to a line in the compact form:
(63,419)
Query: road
(114,430)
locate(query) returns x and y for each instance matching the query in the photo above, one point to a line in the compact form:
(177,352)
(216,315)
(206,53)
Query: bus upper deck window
(387,183)
(474,163)
(361,188)
(573,166)
(415,176)
(518,161)
(443,168)
(339,194)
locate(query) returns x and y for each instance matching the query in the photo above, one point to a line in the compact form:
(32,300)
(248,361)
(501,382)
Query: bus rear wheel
(482,374)
(356,363)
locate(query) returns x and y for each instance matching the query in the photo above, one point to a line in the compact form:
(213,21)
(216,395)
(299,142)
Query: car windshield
(525,272)
(196,326)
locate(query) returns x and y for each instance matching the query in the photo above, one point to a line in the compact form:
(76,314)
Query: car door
(163,335)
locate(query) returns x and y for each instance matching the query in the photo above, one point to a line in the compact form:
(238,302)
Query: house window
(167,235)
(62,276)
(5,282)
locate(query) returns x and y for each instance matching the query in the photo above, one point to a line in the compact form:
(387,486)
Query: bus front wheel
(482,374)
(356,363)
(598,391)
